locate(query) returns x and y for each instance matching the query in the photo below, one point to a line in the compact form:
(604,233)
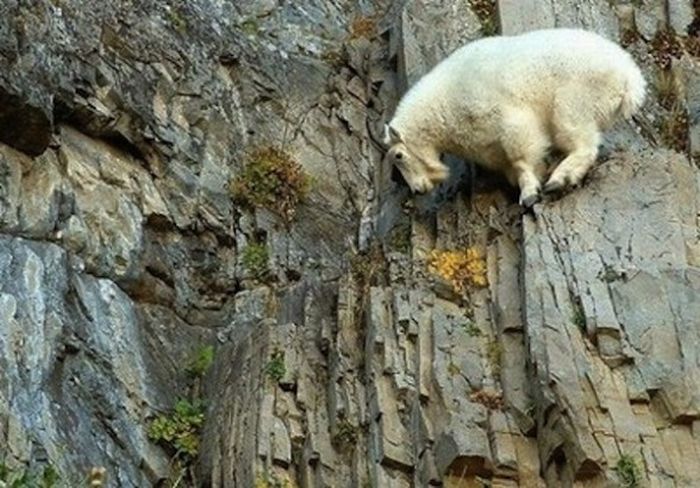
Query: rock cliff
(367,338)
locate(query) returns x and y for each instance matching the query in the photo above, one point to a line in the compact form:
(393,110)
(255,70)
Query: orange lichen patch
(461,268)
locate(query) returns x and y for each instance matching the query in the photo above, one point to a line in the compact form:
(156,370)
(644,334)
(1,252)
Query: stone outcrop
(353,360)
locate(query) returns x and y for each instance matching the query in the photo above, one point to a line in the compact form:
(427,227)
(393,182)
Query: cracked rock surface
(354,360)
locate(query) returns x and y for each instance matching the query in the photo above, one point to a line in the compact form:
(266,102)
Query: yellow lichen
(461,268)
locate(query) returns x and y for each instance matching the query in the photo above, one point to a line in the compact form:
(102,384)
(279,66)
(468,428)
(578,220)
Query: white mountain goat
(504,101)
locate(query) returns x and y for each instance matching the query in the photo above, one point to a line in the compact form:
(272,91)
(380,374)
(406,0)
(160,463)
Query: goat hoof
(553,187)
(528,202)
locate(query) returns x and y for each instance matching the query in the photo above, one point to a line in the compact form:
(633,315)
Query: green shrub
(271,179)
(23,478)
(200,362)
(255,259)
(179,430)
(275,368)
(628,471)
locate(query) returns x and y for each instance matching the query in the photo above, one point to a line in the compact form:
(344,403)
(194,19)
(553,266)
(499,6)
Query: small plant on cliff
(628,471)
(275,368)
(364,27)
(273,480)
(461,268)
(471,329)
(665,47)
(494,352)
(578,317)
(345,433)
(179,431)
(200,362)
(485,10)
(255,259)
(271,179)
(23,478)
(674,128)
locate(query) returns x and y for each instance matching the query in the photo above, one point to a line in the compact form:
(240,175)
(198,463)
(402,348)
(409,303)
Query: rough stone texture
(121,125)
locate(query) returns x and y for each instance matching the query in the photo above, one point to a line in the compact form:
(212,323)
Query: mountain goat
(505,101)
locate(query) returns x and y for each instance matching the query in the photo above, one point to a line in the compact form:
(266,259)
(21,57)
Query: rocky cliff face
(372,339)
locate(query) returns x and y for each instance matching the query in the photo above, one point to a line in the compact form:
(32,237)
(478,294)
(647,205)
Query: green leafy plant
(628,471)
(200,362)
(471,329)
(255,259)
(275,368)
(48,477)
(271,179)
(178,431)
(345,433)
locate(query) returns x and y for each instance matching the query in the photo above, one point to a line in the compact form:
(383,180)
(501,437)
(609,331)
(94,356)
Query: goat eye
(399,156)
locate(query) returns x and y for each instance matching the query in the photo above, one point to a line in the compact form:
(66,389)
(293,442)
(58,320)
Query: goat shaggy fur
(504,101)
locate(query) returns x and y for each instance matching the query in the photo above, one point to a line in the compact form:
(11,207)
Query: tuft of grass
(200,362)
(272,480)
(485,10)
(667,88)
(255,259)
(578,316)
(674,128)
(453,369)
(400,238)
(178,431)
(363,27)
(177,20)
(629,472)
(273,180)
(471,329)
(48,477)
(345,433)
(275,367)
(494,353)
(461,268)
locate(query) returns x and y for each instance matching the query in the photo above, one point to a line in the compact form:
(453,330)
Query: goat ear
(391,135)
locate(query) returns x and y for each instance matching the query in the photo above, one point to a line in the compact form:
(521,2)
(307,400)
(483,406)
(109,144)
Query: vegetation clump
(255,259)
(461,268)
(471,329)
(400,238)
(345,433)
(628,471)
(494,352)
(275,367)
(200,362)
(363,27)
(578,317)
(674,128)
(47,477)
(665,47)
(489,398)
(485,10)
(273,180)
(272,480)
(179,431)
